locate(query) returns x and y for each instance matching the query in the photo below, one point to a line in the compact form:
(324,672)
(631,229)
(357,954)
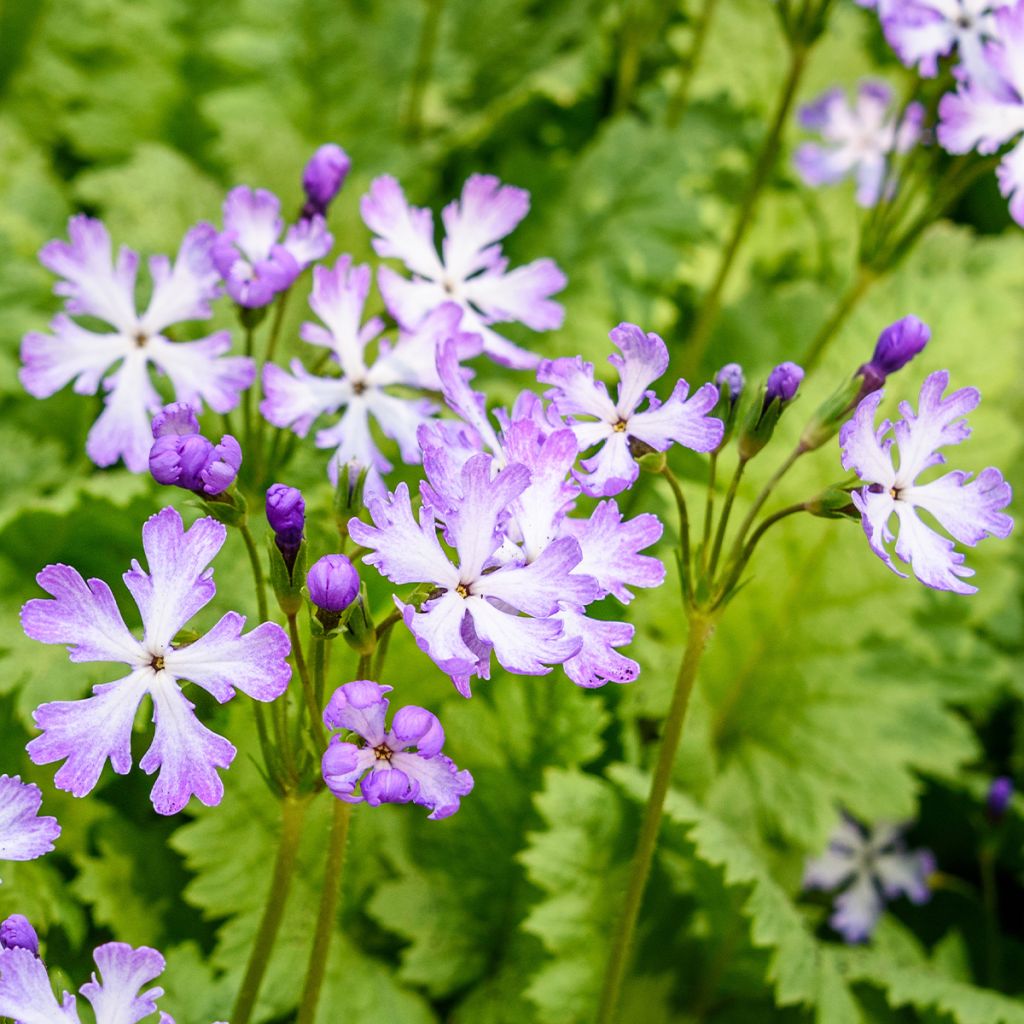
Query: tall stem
(744,215)
(684,536)
(990,897)
(701,628)
(293,812)
(319,669)
(723,519)
(257,572)
(681,98)
(327,914)
(863,280)
(766,491)
(422,68)
(313,708)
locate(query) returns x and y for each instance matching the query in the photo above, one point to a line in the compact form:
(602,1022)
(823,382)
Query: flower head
(896,346)
(24,834)
(94,285)
(618,426)
(182,457)
(968,511)
(401,765)
(471,270)
(858,140)
(16,932)
(84,734)
(323,177)
(871,867)
(333,583)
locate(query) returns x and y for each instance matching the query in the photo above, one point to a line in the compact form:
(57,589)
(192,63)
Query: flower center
(140,338)
(620,427)
(358,387)
(157,663)
(462,590)
(383,752)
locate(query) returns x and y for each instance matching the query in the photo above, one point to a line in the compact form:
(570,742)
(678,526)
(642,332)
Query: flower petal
(296,399)
(71,353)
(438,783)
(26,994)
(24,834)
(360,706)
(405,232)
(184,291)
(123,428)
(116,998)
(969,511)
(597,661)
(201,372)
(680,420)
(523,645)
(485,212)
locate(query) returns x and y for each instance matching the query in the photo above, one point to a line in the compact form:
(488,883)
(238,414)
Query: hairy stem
(766,492)
(313,708)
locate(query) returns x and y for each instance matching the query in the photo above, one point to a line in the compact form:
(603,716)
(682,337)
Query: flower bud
(1000,792)
(730,381)
(286,514)
(783,383)
(896,346)
(176,418)
(333,585)
(17,933)
(348,493)
(323,177)
(762,417)
(182,457)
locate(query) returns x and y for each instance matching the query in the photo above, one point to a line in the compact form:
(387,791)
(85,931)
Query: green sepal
(831,414)
(360,632)
(229,508)
(250,318)
(650,461)
(758,426)
(287,584)
(833,503)
(348,495)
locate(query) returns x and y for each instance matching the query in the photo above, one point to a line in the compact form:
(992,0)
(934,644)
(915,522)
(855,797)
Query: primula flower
(872,867)
(400,766)
(969,512)
(858,140)
(83,614)
(27,995)
(618,425)
(94,285)
(255,265)
(182,457)
(986,113)
(471,271)
(24,834)
(296,399)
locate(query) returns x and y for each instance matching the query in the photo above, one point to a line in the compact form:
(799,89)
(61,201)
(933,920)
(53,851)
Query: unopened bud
(1000,792)
(17,933)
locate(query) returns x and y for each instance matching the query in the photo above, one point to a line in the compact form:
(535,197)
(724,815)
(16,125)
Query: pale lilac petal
(975,118)
(920,35)
(71,353)
(870,180)
(83,615)
(85,733)
(400,419)
(414,360)
(498,347)
(183,291)
(611,470)
(186,753)
(410,302)
(343,765)
(538,587)
(115,997)
(123,428)
(296,399)
(254,217)
(1010,175)
(904,873)
(308,240)
(486,212)
(575,392)
(829,870)
(24,834)
(864,450)
(404,232)
(360,706)
(338,298)
(200,371)
(611,546)
(438,631)
(522,295)
(597,661)
(438,783)
(857,910)
(938,422)
(470,405)
(643,359)
(180,580)
(522,645)
(353,440)
(223,660)
(876,509)
(680,420)
(969,511)
(934,559)
(820,165)
(416,727)
(26,994)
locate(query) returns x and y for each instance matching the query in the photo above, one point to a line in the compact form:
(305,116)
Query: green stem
(313,708)
(766,491)
(293,812)
(744,217)
(629,61)
(709,510)
(684,536)
(422,68)
(257,572)
(319,669)
(247,395)
(862,281)
(701,628)
(327,914)
(681,98)
(275,329)
(723,519)
(990,897)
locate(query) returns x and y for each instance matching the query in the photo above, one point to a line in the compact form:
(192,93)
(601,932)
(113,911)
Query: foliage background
(830,683)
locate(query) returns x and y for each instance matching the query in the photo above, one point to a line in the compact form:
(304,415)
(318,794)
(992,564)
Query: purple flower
(94,285)
(858,140)
(896,346)
(783,383)
(248,255)
(182,457)
(333,583)
(286,514)
(24,835)
(323,177)
(26,992)
(16,932)
(83,614)
(295,400)
(402,766)
(730,379)
(678,421)
(872,867)
(969,512)
(986,113)
(472,271)
(997,802)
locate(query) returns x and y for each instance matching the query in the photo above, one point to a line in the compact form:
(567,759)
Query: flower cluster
(24,833)
(182,457)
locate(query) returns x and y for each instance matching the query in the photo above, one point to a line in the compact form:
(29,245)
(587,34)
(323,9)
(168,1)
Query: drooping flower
(182,457)
(399,766)
(295,400)
(871,867)
(896,346)
(249,255)
(24,833)
(323,177)
(968,511)
(27,995)
(471,270)
(987,112)
(617,426)
(94,285)
(858,140)
(83,614)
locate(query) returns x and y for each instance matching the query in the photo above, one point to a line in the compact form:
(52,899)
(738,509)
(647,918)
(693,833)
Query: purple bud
(195,464)
(177,418)
(896,346)
(388,787)
(998,800)
(730,378)
(323,177)
(17,933)
(417,727)
(286,513)
(333,583)
(783,382)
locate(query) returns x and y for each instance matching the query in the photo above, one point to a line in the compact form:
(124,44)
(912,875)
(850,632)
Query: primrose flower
(399,766)
(24,834)
(617,426)
(248,255)
(182,457)
(986,113)
(858,140)
(83,614)
(27,995)
(969,512)
(94,285)
(471,272)
(871,867)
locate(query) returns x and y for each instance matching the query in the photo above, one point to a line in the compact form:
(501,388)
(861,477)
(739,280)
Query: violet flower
(969,512)
(84,734)
(471,272)
(94,285)
(323,177)
(858,140)
(182,457)
(871,867)
(400,766)
(24,834)
(286,515)
(783,383)
(617,426)
(896,346)
(16,932)
(333,583)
